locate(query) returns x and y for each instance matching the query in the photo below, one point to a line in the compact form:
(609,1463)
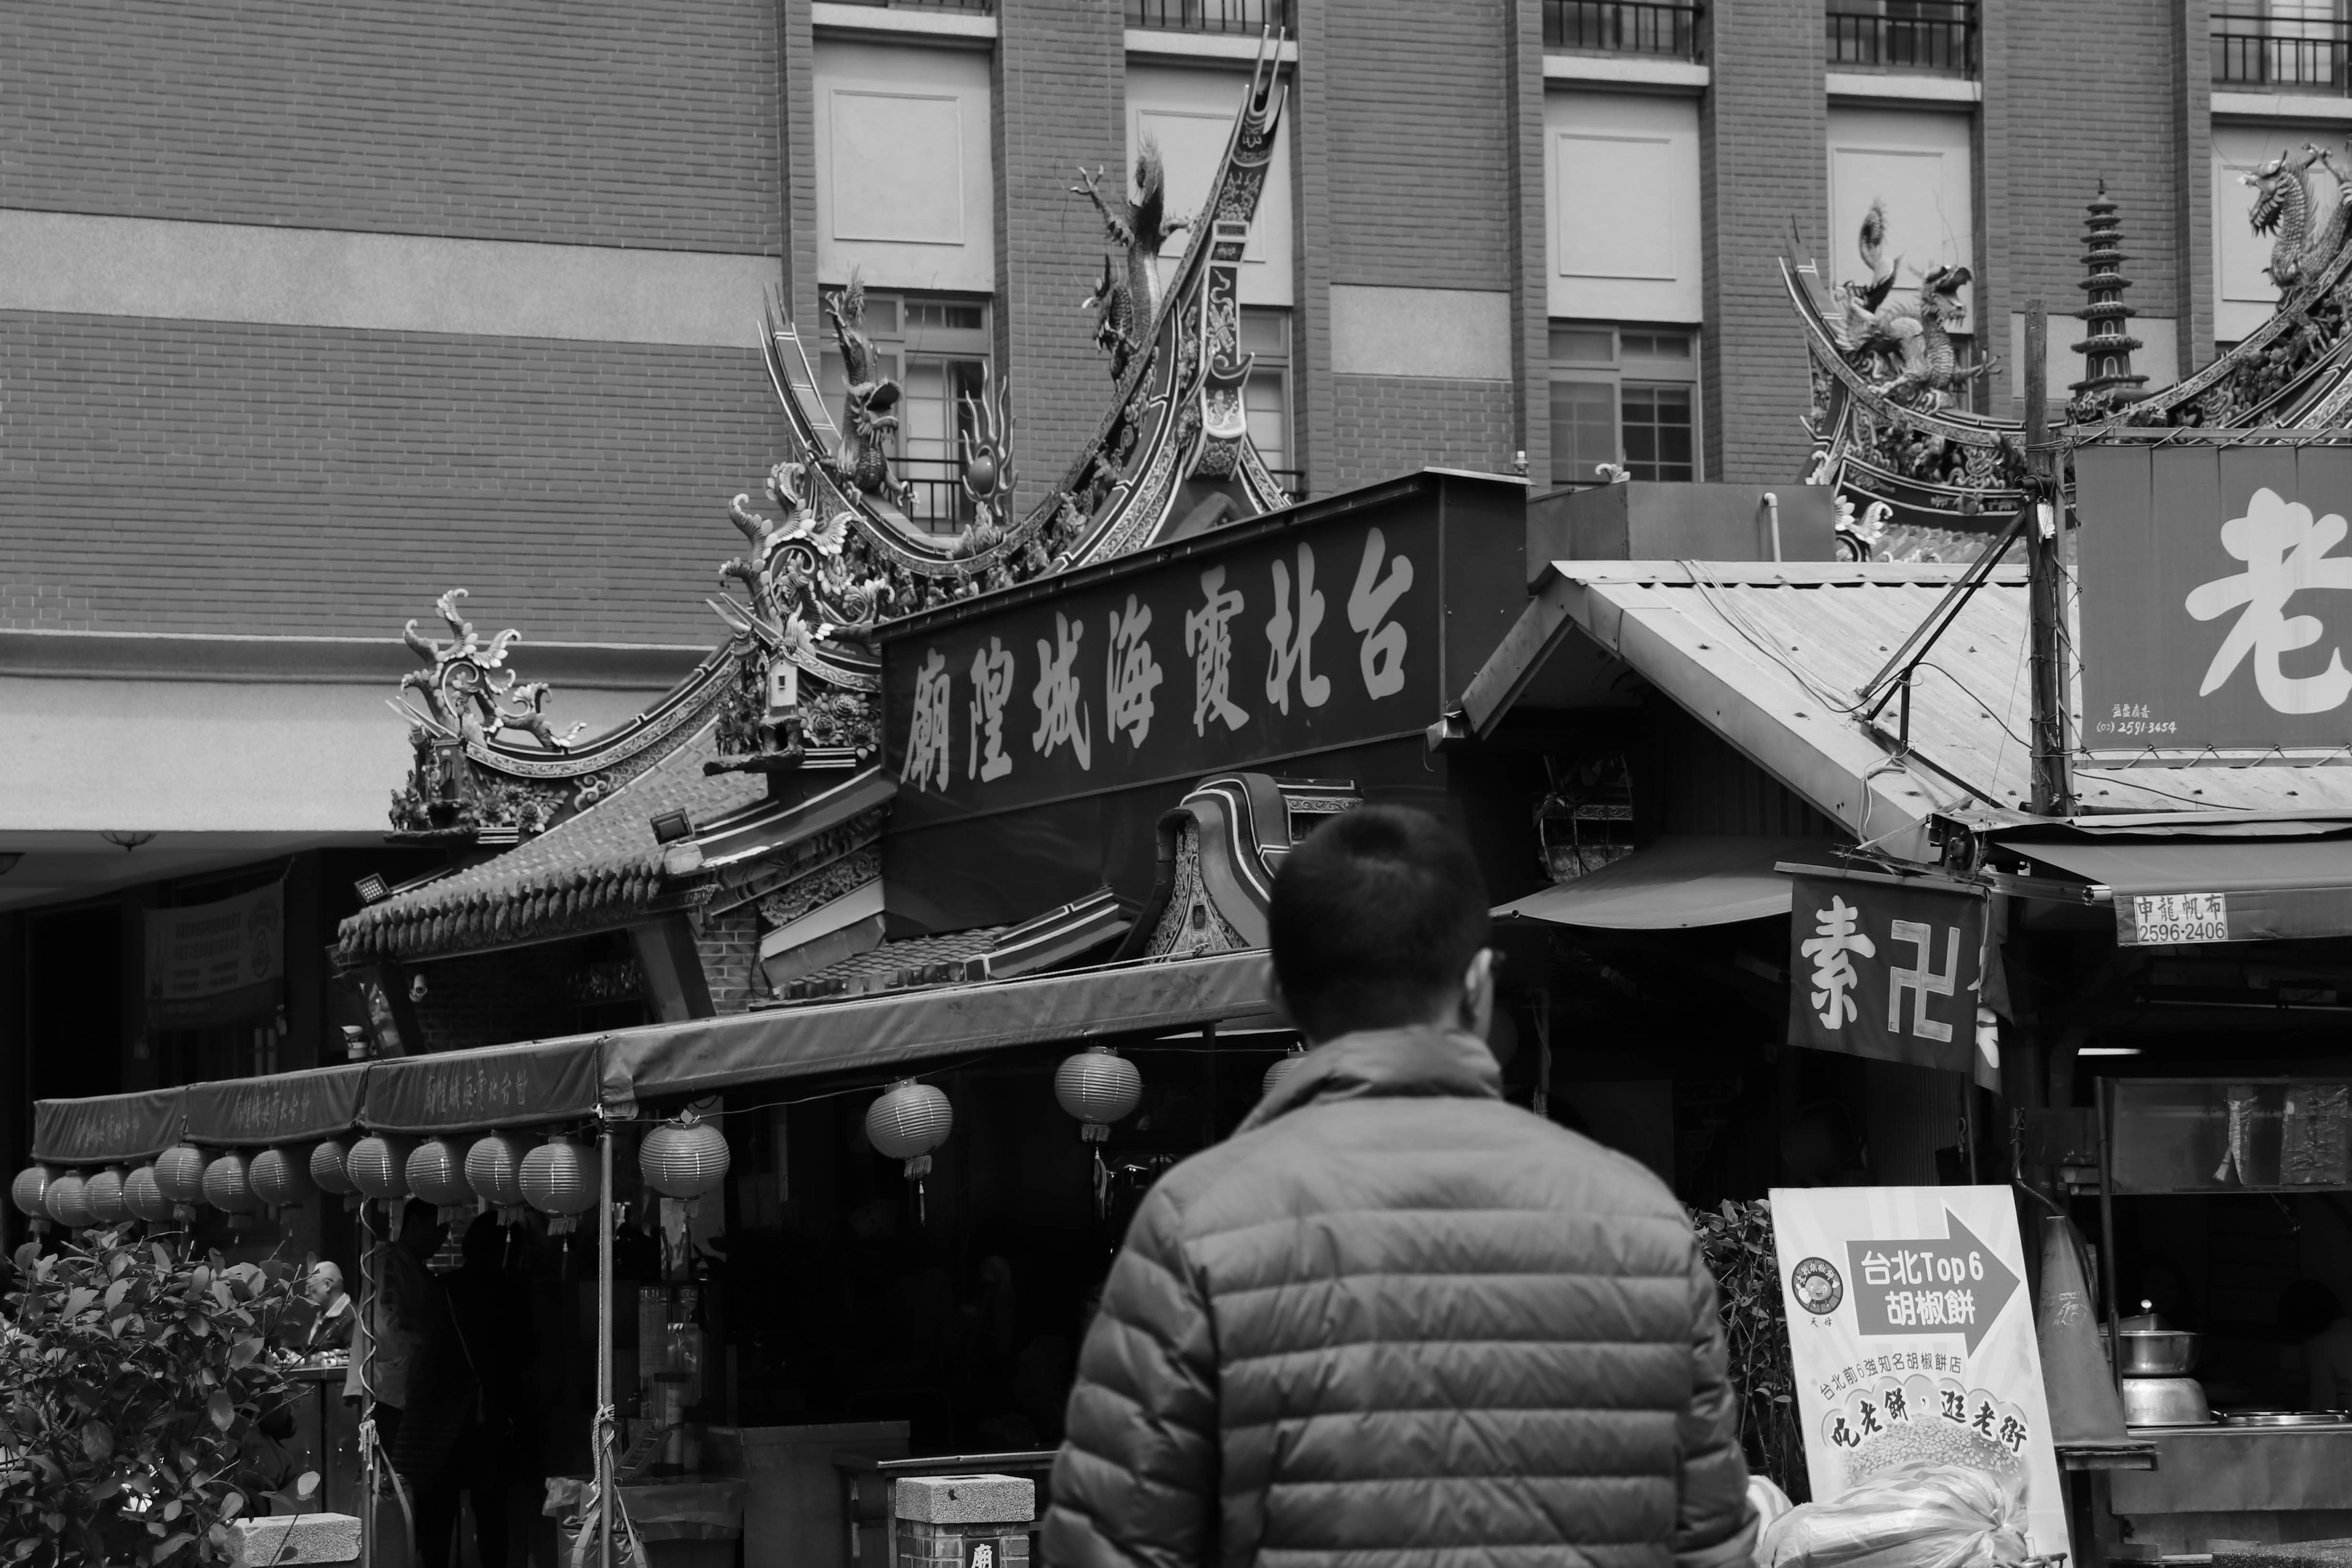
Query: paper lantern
(1098,1086)
(228,1188)
(908,1123)
(65,1203)
(684,1159)
(559,1179)
(280,1178)
(494,1170)
(180,1174)
(327,1167)
(436,1173)
(29,1191)
(144,1196)
(1284,1066)
(103,1195)
(377,1166)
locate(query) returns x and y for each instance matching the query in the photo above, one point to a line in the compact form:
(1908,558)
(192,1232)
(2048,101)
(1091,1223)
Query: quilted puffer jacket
(1394,1319)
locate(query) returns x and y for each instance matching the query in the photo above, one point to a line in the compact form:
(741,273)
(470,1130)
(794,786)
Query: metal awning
(563,1080)
(1676,883)
(2271,888)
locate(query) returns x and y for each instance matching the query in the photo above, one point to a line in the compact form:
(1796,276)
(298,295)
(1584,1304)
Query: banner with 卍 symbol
(1892,968)
(1912,1337)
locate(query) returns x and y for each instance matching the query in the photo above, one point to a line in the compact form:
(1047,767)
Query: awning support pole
(606,1479)
(2053,789)
(2108,1235)
(366,1337)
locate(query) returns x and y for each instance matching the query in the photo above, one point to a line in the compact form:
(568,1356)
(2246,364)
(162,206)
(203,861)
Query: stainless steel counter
(2239,1469)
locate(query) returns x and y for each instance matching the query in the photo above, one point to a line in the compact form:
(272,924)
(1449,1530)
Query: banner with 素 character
(1890,967)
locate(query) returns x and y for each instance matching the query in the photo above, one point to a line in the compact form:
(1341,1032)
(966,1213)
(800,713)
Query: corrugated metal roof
(1772,654)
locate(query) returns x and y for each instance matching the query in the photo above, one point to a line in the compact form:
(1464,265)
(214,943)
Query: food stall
(659,1119)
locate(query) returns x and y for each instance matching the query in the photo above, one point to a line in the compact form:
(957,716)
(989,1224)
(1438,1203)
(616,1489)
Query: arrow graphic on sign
(1955,1284)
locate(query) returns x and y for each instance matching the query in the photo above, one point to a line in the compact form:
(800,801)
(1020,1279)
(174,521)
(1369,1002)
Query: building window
(936,347)
(1622,28)
(1625,396)
(1265,397)
(1927,37)
(2295,45)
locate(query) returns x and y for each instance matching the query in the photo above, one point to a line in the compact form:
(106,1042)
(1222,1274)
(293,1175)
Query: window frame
(1276,362)
(1620,370)
(904,347)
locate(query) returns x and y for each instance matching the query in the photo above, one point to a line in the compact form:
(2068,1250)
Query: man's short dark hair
(1374,920)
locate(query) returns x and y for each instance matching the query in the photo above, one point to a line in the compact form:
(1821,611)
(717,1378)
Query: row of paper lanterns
(682,1159)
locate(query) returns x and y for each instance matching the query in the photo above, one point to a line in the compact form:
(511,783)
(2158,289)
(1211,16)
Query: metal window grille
(1248,16)
(2297,44)
(974,7)
(1622,27)
(1931,37)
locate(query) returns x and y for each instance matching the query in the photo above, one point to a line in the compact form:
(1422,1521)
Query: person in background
(385,1342)
(468,1393)
(2310,1314)
(1393,1318)
(330,1323)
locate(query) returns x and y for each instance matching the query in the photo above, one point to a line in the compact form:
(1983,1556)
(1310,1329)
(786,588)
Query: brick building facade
(307,314)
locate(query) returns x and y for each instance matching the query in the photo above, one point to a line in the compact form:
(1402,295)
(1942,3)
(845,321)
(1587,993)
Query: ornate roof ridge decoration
(1219,850)
(1921,479)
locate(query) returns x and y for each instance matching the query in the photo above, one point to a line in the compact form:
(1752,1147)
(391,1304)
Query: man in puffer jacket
(1394,1319)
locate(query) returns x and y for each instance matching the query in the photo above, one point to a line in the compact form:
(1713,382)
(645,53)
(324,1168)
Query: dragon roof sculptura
(792,695)
(1919,478)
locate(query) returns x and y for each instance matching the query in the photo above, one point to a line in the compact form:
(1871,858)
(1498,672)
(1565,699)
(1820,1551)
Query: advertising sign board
(1889,968)
(2216,600)
(1913,1339)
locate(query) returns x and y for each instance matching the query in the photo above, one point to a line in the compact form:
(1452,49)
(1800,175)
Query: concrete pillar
(965,1522)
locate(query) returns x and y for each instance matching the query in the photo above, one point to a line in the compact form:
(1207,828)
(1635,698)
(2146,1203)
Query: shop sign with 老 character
(1912,1337)
(1889,967)
(2216,596)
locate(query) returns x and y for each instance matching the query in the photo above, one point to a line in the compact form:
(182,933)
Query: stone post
(965,1522)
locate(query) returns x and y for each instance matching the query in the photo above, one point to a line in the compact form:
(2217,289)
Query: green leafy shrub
(132,1386)
(1736,1240)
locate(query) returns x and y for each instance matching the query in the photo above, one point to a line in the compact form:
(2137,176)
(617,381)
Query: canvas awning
(1676,883)
(565,1080)
(2269,888)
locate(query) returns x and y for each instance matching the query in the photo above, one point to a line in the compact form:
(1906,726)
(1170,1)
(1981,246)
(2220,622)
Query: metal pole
(367,1386)
(2108,1234)
(604,1477)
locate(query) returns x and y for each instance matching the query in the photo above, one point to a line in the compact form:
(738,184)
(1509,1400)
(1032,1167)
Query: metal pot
(2158,1352)
(2164,1402)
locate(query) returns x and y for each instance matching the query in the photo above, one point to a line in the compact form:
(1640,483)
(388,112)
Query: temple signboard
(1235,649)
(2216,601)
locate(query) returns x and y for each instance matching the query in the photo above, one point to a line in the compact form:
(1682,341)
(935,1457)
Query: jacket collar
(1389,1063)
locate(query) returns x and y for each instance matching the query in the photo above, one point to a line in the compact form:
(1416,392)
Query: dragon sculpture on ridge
(2287,206)
(868,423)
(1126,307)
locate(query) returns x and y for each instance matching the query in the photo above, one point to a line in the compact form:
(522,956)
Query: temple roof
(588,873)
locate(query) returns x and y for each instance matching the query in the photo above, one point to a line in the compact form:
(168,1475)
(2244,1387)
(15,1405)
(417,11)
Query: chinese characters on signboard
(1912,1338)
(2216,598)
(1286,642)
(1890,971)
(206,956)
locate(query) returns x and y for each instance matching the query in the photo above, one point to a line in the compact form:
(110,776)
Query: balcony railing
(940,505)
(1622,27)
(1249,18)
(970,7)
(1931,37)
(2252,48)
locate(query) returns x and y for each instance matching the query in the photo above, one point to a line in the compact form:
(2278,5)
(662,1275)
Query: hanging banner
(2216,600)
(1912,1337)
(1890,968)
(212,962)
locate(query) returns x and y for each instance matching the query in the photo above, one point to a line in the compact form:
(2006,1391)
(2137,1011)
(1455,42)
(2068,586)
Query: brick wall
(591,122)
(2052,132)
(1421,144)
(495,998)
(1386,425)
(1059,102)
(174,476)
(729,945)
(1763,157)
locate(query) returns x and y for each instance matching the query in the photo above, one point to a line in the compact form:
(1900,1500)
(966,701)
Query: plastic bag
(1910,1516)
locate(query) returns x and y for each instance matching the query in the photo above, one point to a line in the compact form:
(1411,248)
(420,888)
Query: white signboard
(1913,1339)
(207,949)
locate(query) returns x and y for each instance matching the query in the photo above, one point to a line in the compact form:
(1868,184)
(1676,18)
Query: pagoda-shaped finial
(2106,349)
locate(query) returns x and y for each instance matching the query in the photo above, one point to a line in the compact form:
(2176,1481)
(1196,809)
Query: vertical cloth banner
(1891,968)
(1913,1339)
(209,963)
